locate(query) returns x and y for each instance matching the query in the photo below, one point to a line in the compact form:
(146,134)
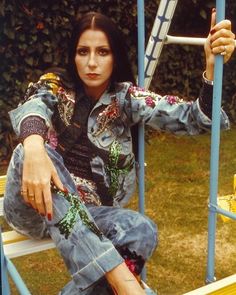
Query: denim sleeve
(168,113)
(40,103)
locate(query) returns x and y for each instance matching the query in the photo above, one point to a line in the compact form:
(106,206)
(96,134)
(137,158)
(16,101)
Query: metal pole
(215,143)
(4,284)
(141,41)
(141,131)
(23,290)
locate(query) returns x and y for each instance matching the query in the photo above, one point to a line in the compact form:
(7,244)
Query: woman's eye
(82,51)
(104,51)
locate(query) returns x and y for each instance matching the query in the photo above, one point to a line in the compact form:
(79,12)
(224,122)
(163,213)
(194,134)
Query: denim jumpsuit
(90,247)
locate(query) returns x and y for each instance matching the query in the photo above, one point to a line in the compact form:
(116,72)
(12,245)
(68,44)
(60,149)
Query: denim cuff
(205,99)
(33,125)
(97,268)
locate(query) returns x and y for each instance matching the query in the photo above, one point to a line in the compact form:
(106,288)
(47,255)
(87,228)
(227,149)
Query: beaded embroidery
(107,116)
(75,210)
(86,188)
(66,103)
(112,168)
(173,99)
(141,93)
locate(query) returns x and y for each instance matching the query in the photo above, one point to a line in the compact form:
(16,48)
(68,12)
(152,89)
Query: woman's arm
(219,41)
(31,121)
(170,113)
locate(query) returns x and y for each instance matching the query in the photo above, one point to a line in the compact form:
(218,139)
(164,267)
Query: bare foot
(123,281)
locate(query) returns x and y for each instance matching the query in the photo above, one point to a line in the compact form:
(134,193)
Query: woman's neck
(96,92)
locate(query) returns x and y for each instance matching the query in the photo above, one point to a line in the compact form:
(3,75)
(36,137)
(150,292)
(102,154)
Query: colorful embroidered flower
(150,102)
(52,138)
(107,116)
(141,93)
(173,99)
(131,265)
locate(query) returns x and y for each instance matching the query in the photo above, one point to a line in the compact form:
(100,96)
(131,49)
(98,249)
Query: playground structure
(17,245)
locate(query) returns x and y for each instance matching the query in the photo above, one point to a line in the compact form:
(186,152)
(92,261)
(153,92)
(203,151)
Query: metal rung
(226,286)
(185,40)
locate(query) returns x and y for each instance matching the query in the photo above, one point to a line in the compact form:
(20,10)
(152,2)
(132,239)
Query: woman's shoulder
(57,76)
(54,80)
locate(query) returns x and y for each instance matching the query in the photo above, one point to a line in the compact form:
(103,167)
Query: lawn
(177,190)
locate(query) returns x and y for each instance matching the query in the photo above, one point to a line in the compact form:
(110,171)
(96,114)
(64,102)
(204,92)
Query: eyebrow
(101,46)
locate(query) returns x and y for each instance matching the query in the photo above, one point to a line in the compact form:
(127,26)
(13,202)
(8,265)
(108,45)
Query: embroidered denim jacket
(109,122)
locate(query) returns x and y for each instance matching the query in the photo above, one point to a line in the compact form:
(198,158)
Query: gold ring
(31,197)
(225,50)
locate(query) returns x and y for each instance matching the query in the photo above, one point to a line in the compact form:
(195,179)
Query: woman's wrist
(207,78)
(209,72)
(32,141)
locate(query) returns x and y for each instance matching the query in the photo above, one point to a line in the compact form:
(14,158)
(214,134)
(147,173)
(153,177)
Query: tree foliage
(35,36)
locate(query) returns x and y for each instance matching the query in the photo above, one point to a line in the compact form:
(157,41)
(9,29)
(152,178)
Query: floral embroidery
(52,138)
(150,102)
(86,189)
(134,262)
(52,81)
(141,93)
(76,209)
(173,99)
(66,98)
(112,168)
(107,116)
(66,103)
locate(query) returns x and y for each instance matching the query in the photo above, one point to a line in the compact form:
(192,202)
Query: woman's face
(94,61)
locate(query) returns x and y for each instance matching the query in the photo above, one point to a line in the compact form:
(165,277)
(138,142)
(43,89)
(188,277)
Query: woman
(75,168)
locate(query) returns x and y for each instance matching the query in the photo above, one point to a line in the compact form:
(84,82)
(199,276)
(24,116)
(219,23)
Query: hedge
(35,34)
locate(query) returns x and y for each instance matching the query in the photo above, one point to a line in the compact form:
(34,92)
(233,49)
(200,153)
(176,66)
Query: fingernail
(65,190)
(213,10)
(212,31)
(49,216)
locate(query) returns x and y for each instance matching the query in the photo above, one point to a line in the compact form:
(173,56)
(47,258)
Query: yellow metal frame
(228,202)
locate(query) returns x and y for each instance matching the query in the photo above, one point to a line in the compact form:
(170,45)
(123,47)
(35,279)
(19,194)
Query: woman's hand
(38,172)
(221,40)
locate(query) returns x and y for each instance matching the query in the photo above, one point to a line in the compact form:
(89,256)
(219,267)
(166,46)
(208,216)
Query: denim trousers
(87,256)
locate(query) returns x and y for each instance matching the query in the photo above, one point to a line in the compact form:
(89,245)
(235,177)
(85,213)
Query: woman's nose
(92,62)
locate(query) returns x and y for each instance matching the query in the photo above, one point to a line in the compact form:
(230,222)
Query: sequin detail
(173,99)
(112,168)
(134,261)
(141,93)
(76,209)
(66,104)
(86,189)
(107,116)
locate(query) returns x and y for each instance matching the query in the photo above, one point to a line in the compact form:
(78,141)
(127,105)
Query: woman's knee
(147,233)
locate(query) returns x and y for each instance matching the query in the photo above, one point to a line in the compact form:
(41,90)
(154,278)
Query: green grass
(177,190)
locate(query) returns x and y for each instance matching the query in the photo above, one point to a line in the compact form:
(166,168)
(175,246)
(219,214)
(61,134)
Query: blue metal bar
(141,43)
(4,284)
(23,290)
(221,211)
(215,143)
(141,131)
(7,265)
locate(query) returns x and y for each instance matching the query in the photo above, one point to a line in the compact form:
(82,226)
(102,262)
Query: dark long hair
(122,71)
(93,20)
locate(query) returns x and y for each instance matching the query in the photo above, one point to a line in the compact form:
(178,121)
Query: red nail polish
(212,32)
(49,216)
(65,190)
